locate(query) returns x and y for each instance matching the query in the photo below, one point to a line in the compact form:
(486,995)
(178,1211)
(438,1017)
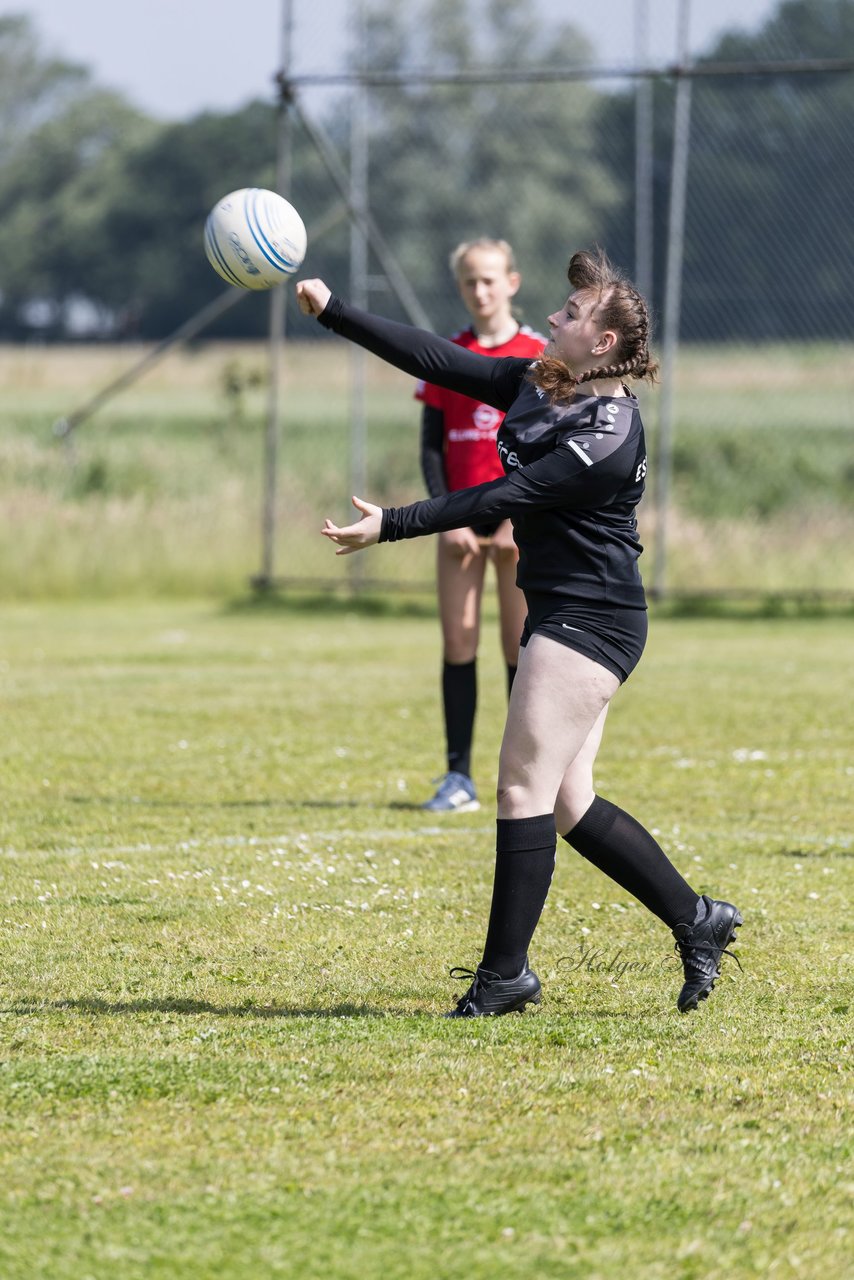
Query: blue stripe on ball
(258,235)
(213,244)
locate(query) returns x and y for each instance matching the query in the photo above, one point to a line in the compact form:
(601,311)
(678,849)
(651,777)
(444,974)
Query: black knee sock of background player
(618,845)
(459,697)
(511,676)
(524,865)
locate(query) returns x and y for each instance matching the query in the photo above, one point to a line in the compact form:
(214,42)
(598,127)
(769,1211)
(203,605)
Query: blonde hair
(619,307)
(483,242)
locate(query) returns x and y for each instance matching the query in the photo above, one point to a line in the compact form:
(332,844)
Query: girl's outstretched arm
(417,351)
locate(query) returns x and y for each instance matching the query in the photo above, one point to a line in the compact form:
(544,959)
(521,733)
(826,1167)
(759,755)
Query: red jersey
(470,452)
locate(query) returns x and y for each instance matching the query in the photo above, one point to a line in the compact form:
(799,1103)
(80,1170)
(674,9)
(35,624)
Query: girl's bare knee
(460,650)
(512,797)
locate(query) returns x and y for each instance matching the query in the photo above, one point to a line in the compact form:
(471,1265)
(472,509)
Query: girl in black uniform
(572,447)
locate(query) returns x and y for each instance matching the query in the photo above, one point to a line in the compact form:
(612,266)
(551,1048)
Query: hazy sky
(174,58)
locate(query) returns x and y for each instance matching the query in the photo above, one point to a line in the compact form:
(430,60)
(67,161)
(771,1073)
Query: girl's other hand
(354,537)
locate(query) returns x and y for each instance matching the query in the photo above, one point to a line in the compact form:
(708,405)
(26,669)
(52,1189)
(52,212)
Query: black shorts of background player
(458,450)
(573,450)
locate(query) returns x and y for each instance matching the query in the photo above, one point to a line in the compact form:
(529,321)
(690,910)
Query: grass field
(226,931)
(162,491)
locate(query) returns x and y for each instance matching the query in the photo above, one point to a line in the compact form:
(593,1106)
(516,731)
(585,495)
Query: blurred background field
(160,492)
(721,182)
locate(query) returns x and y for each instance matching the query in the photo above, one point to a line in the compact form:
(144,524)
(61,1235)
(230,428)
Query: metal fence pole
(672,302)
(643,154)
(358,283)
(278,302)
(394,273)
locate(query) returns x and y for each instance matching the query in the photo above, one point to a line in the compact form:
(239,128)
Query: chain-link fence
(728,186)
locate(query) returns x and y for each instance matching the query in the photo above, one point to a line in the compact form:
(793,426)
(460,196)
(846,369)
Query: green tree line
(102,207)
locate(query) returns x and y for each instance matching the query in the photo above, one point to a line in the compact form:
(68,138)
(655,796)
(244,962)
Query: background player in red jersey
(458,450)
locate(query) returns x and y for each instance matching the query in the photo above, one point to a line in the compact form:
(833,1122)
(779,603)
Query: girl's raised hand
(354,537)
(312,296)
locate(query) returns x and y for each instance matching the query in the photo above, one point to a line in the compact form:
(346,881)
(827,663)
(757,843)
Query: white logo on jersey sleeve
(604,435)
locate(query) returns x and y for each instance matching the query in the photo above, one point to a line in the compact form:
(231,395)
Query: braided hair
(619,307)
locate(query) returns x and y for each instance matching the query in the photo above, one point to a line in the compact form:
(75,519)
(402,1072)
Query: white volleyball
(254,238)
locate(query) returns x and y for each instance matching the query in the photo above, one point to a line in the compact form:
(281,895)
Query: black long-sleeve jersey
(574,474)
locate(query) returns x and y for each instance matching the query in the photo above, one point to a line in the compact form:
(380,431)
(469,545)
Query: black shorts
(486,530)
(614,638)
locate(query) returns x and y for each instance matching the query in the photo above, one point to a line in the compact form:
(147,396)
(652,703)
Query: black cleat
(701,946)
(489,995)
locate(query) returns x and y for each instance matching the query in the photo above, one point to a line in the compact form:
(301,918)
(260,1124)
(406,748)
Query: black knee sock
(511,676)
(524,865)
(618,845)
(459,697)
